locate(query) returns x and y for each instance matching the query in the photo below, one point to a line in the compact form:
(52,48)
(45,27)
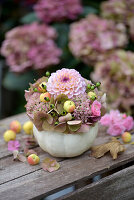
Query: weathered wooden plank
(4,125)
(21,181)
(119,186)
(40,183)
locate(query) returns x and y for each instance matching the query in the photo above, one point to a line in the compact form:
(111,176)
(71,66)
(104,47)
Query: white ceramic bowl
(65,145)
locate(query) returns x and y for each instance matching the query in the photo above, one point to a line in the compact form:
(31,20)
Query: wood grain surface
(21,181)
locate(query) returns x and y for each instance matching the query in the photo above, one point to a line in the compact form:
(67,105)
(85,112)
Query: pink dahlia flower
(50,10)
(13,145)
(66,81)
(30,46)
(92,38)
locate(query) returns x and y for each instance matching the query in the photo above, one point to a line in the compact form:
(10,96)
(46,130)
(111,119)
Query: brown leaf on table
(30,142)
(18,156)
(114,146)
(50,165)
(28,152)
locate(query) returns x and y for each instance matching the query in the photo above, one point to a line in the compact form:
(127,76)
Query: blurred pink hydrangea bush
(120,11)
(30,46)
(117,122)
(50,10)
(117,76)
(92,38)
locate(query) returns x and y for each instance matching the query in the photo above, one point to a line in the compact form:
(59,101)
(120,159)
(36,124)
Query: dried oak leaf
(18,156)
(50,165)
(114,146)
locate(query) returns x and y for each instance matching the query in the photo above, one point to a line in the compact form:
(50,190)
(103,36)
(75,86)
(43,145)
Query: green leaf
(19,82)
(62,30)
(88,10)
(29,18)
(74,125)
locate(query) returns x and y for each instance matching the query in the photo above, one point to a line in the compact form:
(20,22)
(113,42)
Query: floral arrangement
(117,73)
(92,38)
(30,46)
(120,11)
(50,11)
(65,102)
(117,122)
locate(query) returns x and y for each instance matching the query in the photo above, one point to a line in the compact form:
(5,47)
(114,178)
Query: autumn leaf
(30,142)
(18,156)
(28,152)
(50,165)
(114,147)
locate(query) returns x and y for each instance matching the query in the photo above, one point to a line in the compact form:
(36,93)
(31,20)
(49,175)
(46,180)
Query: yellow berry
(9,135)
(28,127)
(126,137)
(91,95)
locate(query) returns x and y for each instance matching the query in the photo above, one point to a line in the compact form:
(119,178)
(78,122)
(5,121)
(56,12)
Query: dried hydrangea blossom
(34,105)
(117,75)
(30,46)
(120,11)
(50,10)
(92,38)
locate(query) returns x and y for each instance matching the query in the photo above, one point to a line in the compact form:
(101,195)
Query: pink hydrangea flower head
(128,123)
(116,73)
(31,46)
(59,10)
(13,145)
(116,129)
(96,108)
(92,38)
(120,11)
(66,81)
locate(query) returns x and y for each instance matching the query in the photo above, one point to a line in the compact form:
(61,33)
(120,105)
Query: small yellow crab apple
(126,137)
(45,97)
(28,127)
(69,106)
(92,95)
(15,126)
(33,159)
(9,135)
(42,87)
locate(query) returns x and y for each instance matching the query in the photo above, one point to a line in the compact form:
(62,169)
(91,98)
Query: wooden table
(20,181)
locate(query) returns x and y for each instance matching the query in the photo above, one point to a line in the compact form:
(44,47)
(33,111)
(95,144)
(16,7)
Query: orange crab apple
(69,106)
(45,97)
(15,126)
(33,159)
(126,137)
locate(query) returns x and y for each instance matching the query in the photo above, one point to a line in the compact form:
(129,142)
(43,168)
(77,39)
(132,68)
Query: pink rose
(96,108)
(116,129)
(128,123)
(105,120)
